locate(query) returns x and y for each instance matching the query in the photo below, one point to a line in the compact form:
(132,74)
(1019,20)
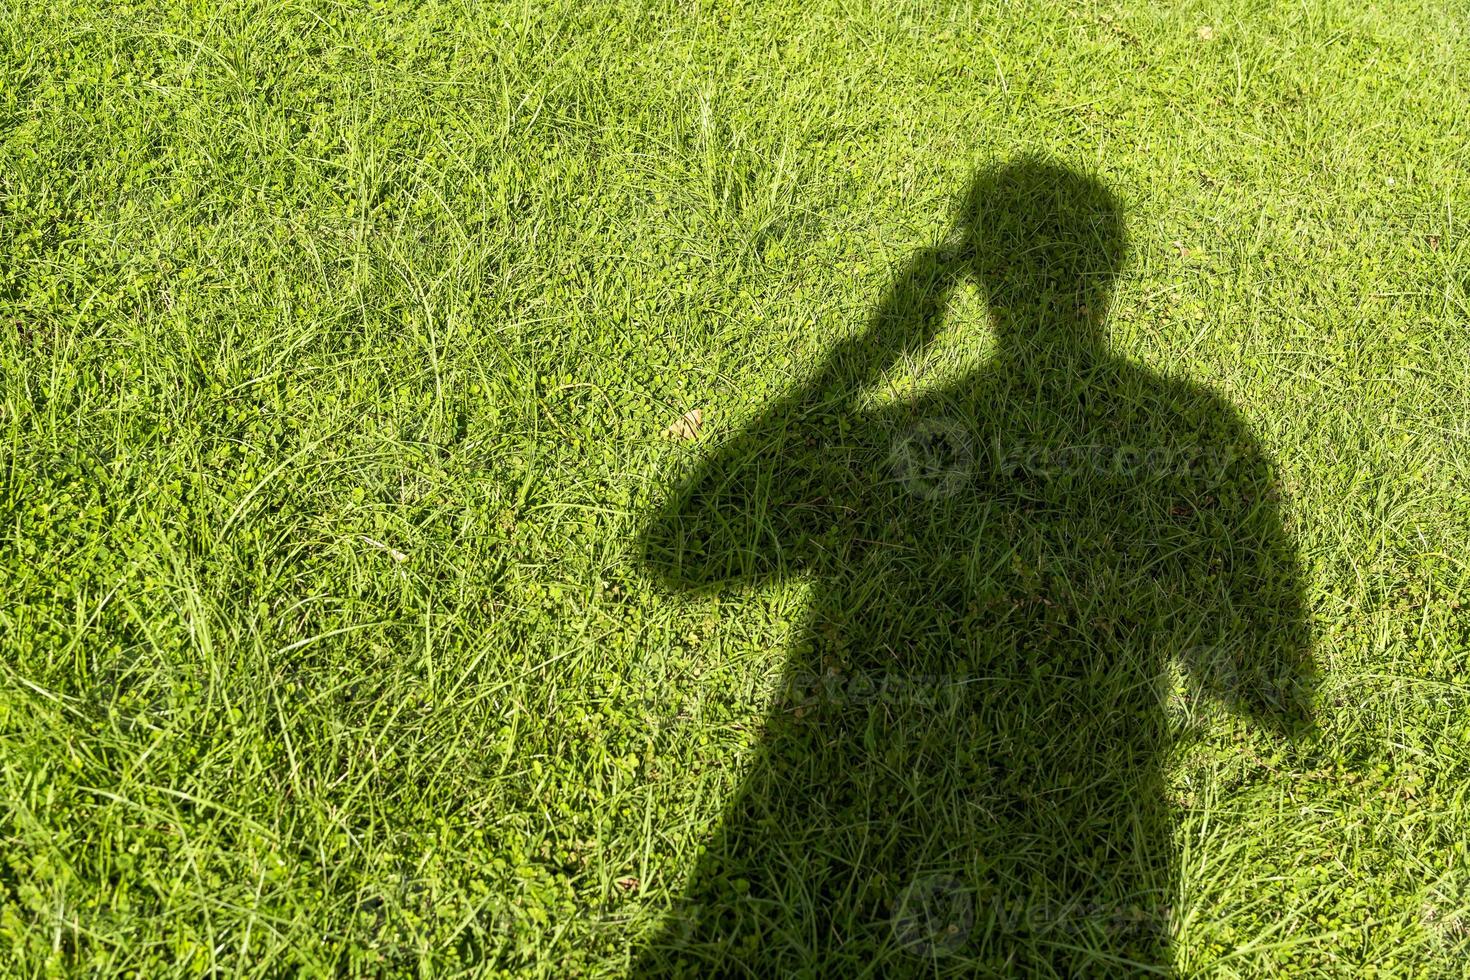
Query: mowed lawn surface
(338,342)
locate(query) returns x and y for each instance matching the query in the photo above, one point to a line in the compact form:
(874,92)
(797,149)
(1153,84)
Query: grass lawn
(1065,572)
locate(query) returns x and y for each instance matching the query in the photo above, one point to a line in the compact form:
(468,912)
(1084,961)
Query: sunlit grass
(337,343)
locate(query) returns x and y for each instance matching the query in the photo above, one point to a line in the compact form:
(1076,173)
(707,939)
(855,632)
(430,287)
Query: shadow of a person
(963,772)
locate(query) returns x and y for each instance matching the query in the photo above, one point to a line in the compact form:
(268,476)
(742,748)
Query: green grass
(337,345)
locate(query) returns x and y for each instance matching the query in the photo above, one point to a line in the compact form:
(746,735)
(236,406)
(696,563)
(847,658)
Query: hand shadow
(963,773)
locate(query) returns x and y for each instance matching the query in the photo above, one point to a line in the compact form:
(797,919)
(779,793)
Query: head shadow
(1006,567)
